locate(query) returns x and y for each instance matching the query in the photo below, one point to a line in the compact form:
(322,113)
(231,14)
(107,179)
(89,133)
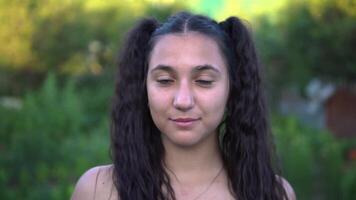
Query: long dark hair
(136,146)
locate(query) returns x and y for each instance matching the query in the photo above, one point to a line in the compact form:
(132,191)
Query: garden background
(57,66)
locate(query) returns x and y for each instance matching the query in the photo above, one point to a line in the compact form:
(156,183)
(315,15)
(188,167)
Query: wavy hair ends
(136,145)
(247,141)
(136,148)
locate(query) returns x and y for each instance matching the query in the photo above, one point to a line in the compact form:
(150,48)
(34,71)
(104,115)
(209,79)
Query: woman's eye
(164,81)
(205,82)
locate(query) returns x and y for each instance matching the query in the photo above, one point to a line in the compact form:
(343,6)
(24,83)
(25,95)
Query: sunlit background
(57,60)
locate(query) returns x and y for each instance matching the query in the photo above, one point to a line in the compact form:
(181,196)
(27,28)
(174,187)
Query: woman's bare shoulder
(96,183)
(288,188)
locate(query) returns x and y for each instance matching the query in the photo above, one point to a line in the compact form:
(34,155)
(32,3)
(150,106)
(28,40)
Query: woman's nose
(183,99)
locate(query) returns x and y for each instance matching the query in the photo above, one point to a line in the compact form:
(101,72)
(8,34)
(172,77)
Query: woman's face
(187,87)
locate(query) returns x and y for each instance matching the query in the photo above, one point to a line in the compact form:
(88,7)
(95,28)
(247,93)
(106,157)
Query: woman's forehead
(186,49)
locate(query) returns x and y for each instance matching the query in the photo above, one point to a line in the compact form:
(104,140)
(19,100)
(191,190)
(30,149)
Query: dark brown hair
(244,139)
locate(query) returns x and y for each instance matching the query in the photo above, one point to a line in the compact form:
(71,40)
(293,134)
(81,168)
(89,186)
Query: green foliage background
(57,63)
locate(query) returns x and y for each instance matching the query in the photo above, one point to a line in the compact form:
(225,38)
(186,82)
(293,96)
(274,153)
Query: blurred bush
(313,161)
(50,141)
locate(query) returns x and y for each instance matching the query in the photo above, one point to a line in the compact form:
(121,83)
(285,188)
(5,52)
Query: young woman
(188,118)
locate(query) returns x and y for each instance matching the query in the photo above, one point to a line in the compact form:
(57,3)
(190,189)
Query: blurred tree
(69,37)
(16,31)
(311,39)
(245,9)
(323,40)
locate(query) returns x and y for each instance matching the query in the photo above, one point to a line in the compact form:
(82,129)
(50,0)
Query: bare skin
(85,187)
(96,183)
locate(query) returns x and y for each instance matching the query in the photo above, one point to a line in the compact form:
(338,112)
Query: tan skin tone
(187,78)
(193,83)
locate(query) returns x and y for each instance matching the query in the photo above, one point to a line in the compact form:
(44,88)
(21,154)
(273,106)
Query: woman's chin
(183,139)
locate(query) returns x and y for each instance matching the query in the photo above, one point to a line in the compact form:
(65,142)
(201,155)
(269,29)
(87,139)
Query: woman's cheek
(158,99)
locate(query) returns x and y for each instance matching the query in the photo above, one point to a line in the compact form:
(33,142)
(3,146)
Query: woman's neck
(194,163)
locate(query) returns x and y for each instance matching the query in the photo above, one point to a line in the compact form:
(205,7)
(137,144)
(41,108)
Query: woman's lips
(185,122)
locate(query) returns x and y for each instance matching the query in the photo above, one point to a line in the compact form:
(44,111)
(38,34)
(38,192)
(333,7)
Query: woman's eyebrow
(200,68)
(196,69)
(163,68)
